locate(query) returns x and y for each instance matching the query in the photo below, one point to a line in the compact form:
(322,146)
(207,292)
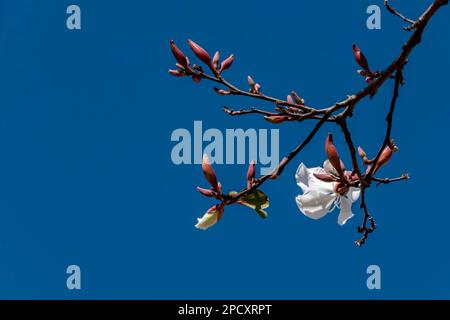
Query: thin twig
(241,112)
(404,176)
(367,217)
(396,13)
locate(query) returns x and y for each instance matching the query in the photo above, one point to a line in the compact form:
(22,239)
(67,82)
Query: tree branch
(338,112)
(404,176)
(389,119)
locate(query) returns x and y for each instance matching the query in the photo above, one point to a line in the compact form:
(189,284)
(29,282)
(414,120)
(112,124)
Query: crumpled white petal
(306,180)
(346,205)
(315,204)
(208,220)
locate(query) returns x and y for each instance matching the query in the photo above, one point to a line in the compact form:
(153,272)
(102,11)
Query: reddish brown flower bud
(384,158)
(215,60)
(209,173)
(250,173)
(227,63)
(222,92)
(257,87)
(362,153)
(178,54)
(360,58)
(251,82)
(277,119)
(333,155)
(206,192)
(201,53)
(297,98)
(324,177)
(176,73)
(290,100)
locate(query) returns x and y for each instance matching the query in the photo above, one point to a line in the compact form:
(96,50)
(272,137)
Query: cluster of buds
(213,214)
(293,101)
(183,65)
(361,59)
(384,157)
(255,199)
(335,169)
(254,87)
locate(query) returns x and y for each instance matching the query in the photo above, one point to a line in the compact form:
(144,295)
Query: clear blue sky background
(86,176)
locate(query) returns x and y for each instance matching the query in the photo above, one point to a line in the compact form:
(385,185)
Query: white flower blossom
(320,198)
(210,218)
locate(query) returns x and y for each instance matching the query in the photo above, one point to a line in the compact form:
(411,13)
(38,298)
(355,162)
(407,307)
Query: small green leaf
(262,213)
(256,200)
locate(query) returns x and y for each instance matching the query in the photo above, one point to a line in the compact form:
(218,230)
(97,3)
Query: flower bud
(257,87)
(227,63)
(222,92)
(211,217)
(362,153)
(200,52)
(215,60)
(250,173)
(297,98)
(176,73)
(206,192)
(324,177)
(277,119)
(251,82)
(384,158)
(290,100)
(333,155)
(209,173)
(360,58)
(178,54)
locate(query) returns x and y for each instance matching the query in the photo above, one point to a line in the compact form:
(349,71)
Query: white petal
(328,167)
(354,193)
(302,176)
(315,204)
(346,211)
(346,205)
(208,220)
(306,180)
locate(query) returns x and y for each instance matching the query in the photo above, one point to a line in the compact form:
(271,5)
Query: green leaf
(256,200)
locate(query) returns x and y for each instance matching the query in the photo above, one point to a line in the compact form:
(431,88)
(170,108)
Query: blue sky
(86,176)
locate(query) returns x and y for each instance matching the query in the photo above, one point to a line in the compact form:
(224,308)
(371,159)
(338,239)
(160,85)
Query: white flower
(319,197)
(210,218)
